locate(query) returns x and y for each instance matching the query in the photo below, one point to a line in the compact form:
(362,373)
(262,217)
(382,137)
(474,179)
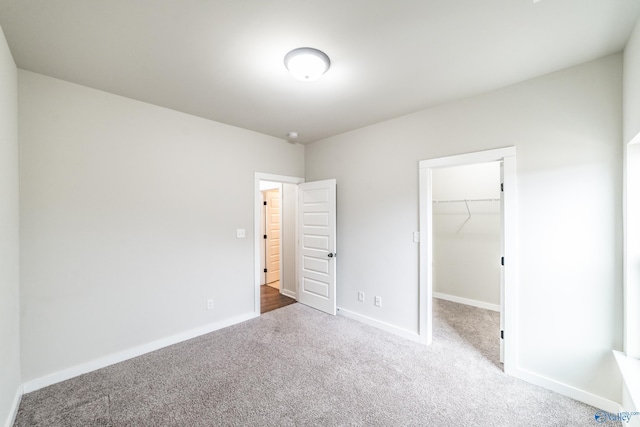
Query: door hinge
(502,261)
(501,335)
(265,270)
(501,187)
(265,236)
(264,203)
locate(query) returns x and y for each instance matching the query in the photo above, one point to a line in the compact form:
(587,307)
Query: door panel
(315,264)
(317,242)
(317,232)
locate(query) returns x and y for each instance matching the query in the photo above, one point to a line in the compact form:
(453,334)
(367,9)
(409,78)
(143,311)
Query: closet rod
(466,200)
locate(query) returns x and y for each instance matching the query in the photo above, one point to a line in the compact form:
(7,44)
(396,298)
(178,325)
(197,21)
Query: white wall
(566,127)
(467,248)
(126,228)
(289,203)
(268,185)
(632,85)
(9,238)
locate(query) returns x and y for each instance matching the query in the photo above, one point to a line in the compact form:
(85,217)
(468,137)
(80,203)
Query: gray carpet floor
(296,366)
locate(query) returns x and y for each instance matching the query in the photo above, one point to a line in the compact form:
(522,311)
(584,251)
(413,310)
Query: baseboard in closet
(467,301)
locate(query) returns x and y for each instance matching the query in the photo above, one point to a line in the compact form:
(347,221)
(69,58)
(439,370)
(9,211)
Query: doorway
(307,243)
(275,264)
(467,248)
(271,221)
(277,244)
(508,261)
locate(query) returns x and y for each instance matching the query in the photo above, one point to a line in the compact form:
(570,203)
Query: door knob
(330,255)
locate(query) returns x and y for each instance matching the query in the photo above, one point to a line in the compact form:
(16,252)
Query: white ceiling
(223,59)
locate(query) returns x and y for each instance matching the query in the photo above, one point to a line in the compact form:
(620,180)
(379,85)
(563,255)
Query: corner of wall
(10,365)
(631,85)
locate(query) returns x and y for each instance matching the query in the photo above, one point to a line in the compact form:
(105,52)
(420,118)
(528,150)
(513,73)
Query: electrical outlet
(210,304)
(361,296)
(377,301)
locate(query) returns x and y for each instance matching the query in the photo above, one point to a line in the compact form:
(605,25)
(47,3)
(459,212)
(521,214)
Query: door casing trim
(506,155)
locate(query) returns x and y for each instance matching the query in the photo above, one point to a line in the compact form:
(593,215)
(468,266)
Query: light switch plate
(240,233)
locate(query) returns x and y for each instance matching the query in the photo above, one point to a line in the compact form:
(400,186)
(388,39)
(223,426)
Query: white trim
(378,324)
(280,232)
(257,214)
(567,390)
(425,312)
(469,158)
(278,178)
(288,293)
(13,412)
(510,269)
(467,301)
(425,257)
(121,356)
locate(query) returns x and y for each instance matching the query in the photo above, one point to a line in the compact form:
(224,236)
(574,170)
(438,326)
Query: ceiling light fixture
(306,63)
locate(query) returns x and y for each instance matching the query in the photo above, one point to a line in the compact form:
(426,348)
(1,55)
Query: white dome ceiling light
(306,63)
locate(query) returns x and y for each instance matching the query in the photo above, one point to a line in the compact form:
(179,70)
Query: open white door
(317,233)
(272,233)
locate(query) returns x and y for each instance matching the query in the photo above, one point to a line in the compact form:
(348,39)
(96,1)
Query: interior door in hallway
(272,227)
(317,254)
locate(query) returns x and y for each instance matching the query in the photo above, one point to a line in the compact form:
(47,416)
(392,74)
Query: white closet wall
(466,231)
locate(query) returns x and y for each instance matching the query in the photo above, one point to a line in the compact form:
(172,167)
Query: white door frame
(258,237)
(508,157)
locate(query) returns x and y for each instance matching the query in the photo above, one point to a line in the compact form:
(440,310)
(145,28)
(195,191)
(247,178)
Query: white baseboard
(467,301)
(567,390)
(14,407)
(289,294)
(121,356)
(380,325)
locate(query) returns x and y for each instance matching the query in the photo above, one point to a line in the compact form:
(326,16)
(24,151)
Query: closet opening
(453,215)
(467,249)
